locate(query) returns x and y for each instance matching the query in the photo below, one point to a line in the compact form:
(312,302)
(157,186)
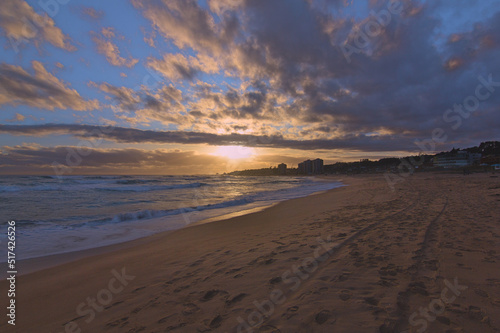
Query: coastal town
(482,158)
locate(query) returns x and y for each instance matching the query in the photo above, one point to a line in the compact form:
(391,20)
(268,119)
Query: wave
(147,214)
(137,181)
(266,196)
(133,185)
(150,188)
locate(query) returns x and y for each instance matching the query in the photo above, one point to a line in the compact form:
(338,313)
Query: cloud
(297,80)
(41,90)
(91,13)
(149,37)
(126,98)
(177,66)
(131,135)
(17,118)
(29,159)
(144,105)
(182,21)
(20,24)
(109,49)
(245,72)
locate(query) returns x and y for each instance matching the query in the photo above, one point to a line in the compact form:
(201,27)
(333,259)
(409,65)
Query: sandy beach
(360,258)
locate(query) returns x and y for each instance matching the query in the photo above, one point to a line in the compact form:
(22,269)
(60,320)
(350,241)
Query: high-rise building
(317,166)
(303,167)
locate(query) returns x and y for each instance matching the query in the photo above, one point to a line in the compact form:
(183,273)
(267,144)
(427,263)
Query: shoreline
(34,264)
(358,258)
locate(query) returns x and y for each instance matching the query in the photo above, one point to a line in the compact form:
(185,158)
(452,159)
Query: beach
(423,257)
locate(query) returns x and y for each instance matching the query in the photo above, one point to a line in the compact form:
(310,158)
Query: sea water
(57,215)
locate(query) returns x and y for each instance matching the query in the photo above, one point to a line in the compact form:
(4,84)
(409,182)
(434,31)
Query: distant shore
(360,258)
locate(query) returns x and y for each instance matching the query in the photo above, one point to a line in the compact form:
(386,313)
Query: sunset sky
(186,86)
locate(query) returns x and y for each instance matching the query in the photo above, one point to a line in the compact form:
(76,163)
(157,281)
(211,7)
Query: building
(456,159)
(282,169)
(490,160)
(305,168)
(317,166)
(311,167)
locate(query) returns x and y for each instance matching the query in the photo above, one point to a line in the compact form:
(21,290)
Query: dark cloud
(176,66)
(303,74)
(66,160)
(399,78)
(144,105)
(131,135)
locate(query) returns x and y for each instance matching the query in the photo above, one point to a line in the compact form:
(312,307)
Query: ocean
(57,215)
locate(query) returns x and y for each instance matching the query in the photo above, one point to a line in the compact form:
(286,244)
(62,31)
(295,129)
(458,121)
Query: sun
(234,152)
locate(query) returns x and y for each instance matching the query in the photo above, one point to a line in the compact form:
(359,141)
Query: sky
(212,86)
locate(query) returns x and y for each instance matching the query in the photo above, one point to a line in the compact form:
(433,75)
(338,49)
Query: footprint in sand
(209,295)
(481,293)
(234,270)
(290,312)
(342,277)
(443,320)
(197,262)
(119,322)
(181,288)
(345,294)
(371,300)
(136,310)
(216,322)
(418,288)
(323,316)
(269,329)
(164,319)
(236,299)
(476,313)
(170,328)
(114,304)
(275,280)
(190,308)
(269,261)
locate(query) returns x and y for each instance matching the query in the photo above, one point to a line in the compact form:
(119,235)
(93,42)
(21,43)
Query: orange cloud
(34,159)
(453,64)
(21,24)
(177,66)
(17,118)
(109,49)
(41,90)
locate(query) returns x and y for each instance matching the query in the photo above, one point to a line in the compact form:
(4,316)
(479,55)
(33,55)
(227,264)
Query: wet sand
(360,258)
